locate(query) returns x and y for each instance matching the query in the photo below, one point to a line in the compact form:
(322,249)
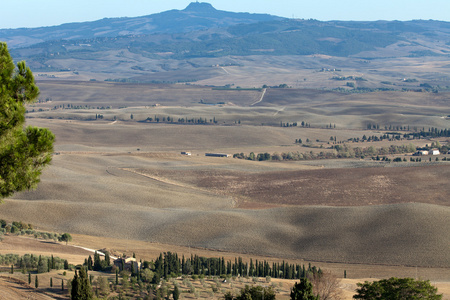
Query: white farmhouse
(435,152)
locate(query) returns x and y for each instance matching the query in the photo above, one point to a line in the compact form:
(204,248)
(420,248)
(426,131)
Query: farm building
(435,152)
(423,152)
(126,263)
(218,154)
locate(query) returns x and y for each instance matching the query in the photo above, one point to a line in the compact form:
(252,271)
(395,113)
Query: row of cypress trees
(170,265)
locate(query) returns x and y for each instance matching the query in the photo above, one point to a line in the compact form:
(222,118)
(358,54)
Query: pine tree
(23,152)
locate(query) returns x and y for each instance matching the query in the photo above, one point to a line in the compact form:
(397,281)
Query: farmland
(119,177)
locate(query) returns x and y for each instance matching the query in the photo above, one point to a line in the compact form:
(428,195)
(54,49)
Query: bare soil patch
(330,187)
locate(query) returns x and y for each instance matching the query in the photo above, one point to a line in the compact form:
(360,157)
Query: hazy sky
(36,13)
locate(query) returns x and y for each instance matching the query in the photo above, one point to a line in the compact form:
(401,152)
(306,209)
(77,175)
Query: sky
(37,13)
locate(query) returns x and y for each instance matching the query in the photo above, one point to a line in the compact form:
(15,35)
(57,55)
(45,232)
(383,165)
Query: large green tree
(65,237)
(23,151)
(397,289)
(303,291)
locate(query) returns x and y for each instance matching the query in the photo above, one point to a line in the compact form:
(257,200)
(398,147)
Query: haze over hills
(183,45)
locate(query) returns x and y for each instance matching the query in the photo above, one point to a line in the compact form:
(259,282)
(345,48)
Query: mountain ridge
(196,16)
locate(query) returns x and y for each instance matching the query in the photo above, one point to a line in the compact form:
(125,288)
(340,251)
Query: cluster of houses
(208,154)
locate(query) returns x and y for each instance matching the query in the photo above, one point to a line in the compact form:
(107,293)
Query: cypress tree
(36,282)
(183,263)
(89,263)
(176,293)
(97,262)
(107,259)
(223,266)
(51,282)
(166,269)
(75,286)
(81,288)
(29,278)
(240,266)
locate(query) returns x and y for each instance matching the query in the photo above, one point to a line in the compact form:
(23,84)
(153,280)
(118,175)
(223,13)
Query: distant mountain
(163,47)
(274,37)
(196,16)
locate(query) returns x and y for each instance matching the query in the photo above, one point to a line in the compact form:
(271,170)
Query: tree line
(339,151)
(170,265)
(21,228)
(313,283)
(169,119)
